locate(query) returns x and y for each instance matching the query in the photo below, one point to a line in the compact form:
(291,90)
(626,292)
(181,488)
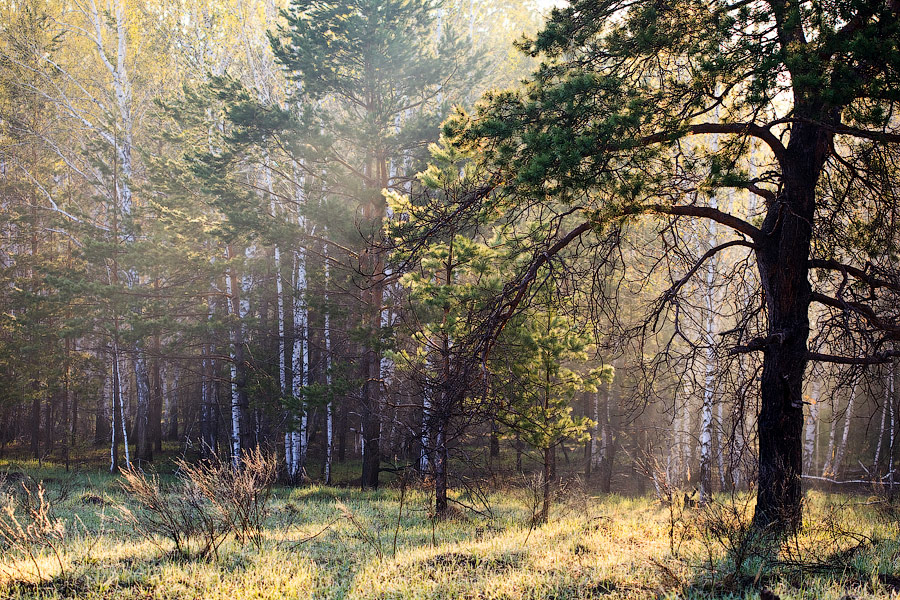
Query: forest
(449,299)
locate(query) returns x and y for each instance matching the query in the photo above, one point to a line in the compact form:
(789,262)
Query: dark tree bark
(156,402)
(495,440)
(36,420)
(782,255)
(441,457)
(116,426)
(143,443)
(371,403)
(342,432)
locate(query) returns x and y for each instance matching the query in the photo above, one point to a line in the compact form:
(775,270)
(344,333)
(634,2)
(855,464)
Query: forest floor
(328,542)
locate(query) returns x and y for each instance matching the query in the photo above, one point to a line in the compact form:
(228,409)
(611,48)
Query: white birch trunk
(893,420)
(809,446)
(329,409)
(827,469)
(425,455)
(709,384)
(848,419)
(888,398)
(121,389)
(282,362)
(233,305)
(108,387)
(301,362)
(596,432)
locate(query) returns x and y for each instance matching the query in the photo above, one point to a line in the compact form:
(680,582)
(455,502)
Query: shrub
(27,525)
(239,496)
(208,501)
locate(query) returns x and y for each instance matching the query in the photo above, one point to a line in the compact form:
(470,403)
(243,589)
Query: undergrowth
(322,542)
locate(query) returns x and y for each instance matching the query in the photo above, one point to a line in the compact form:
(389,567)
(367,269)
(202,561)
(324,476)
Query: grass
(325,542)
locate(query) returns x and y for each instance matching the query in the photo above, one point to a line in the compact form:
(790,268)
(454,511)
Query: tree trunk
(300,371)
(329,408)
(547,483)
(102,416)
(235,307)
(156,401)
(495,440)
(518,453)
(66,392)
(143,442)
(441,456)
(809,449)
(842,448)
(425,436)
(607,442)
(342,432)
(709,380)
(170,398)
(116,419)
(782,254)
(371,422)
(36,419)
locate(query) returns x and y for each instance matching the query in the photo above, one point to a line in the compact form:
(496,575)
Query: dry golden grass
(339,543)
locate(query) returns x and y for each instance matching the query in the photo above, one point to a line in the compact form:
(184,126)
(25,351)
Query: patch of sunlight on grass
(593,547)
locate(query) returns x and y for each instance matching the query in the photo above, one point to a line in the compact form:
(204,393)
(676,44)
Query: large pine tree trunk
(371,421)
(782,256)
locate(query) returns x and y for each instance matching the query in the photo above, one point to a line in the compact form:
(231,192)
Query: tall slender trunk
(170,393)
(300,372)
(842,447)
(103,416)
(66,391)
(36,419)
(283,363)
(607,441)
(494,451)
(329,408)
(809,446)
(547,476)
(143,447)
(156,397)
(425,440)
(827,468)
(233,304)
(114,438)
(892,417)
(709,380)
(594,451)
(119,413)
(372,300)
(441,457)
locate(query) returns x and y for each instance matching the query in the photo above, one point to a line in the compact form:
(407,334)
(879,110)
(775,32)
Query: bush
(27,525)
(208,501)
(239,496)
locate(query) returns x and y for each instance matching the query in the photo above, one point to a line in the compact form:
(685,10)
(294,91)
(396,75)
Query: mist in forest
(431,285)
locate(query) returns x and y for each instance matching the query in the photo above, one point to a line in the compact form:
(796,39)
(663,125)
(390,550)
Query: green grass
(602,547)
